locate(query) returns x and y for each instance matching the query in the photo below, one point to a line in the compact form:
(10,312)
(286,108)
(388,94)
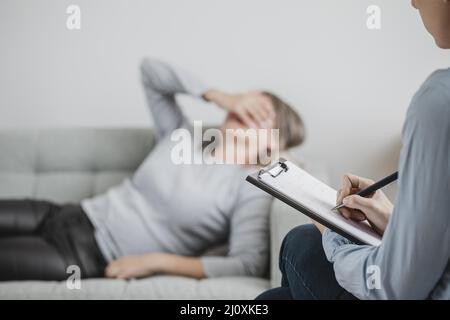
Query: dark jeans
(39,240)
(306,272)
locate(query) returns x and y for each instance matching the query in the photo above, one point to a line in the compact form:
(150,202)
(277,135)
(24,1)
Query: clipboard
(315,199)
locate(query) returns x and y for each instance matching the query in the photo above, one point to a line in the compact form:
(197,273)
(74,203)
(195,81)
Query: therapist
(413,260)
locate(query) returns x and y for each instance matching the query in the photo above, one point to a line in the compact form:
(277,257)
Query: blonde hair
(289,123)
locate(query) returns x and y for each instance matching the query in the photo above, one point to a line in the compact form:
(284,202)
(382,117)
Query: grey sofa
(67,165)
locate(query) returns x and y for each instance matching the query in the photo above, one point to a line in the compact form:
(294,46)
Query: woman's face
(436,18)
(252,143)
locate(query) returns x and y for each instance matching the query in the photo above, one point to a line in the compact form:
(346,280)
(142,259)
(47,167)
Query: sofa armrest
(282,219)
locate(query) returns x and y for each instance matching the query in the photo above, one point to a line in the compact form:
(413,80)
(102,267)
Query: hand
(377,209)
(253,108)
(135,266)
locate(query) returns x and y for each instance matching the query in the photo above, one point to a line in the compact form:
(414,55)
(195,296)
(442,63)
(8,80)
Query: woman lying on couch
(165,216)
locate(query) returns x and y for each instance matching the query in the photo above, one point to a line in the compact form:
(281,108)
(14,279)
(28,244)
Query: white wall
(351,85)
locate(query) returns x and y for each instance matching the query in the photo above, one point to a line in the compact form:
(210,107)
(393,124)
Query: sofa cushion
(158,287)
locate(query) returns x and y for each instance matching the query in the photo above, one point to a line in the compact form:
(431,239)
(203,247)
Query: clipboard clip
(276,169)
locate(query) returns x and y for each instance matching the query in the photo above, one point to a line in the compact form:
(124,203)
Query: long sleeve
(161,84)
(413,260)
(248,253)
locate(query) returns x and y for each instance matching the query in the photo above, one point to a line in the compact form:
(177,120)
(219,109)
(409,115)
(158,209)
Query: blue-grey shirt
(412,261)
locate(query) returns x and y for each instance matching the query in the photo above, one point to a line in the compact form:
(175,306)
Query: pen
(371,189)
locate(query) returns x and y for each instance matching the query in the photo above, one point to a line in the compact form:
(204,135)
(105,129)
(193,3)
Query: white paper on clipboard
(319,198)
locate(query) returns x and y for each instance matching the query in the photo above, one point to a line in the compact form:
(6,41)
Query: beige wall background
(351,85)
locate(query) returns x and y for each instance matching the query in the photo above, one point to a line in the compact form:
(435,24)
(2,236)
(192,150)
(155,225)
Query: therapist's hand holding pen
(376,209)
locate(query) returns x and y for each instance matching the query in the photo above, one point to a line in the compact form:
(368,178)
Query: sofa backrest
(67,165)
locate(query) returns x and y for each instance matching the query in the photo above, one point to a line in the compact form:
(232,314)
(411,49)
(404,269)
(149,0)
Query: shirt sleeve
(415,249)
(162,83)
(248,253)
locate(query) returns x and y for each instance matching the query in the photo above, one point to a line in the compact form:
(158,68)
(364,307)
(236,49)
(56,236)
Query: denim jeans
(306,272)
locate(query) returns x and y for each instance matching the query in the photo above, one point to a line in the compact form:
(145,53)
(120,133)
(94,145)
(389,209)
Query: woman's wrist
(222,99)
(178,265)
(157,262)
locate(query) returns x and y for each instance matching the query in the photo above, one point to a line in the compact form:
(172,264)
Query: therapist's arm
(376,209)
(415,249)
